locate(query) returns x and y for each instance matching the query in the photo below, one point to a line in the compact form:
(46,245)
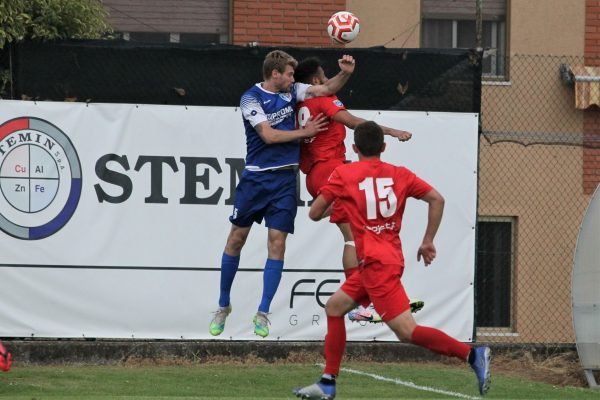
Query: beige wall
(539,185)
(535,99)
(547,27)
(383,20)
(535,185)
(535,26)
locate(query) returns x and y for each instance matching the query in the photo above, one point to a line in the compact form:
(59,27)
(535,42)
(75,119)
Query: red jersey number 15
(379,196)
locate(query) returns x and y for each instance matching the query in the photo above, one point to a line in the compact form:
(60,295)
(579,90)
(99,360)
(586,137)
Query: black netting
(5,73)
(539,162)
(122,72)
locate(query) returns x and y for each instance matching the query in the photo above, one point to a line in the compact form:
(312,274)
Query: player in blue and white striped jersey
(267,188)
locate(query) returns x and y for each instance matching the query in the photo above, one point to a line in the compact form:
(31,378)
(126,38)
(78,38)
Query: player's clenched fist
(347,63)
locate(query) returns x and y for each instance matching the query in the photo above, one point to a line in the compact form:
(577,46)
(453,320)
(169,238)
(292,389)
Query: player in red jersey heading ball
(321,154)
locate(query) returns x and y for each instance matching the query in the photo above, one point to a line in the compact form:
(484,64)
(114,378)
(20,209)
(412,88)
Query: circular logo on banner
(40,178)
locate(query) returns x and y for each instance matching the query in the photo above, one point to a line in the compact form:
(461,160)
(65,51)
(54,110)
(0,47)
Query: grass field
(217,380)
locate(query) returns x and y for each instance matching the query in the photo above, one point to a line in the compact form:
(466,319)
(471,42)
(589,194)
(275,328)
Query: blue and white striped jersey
(259,105)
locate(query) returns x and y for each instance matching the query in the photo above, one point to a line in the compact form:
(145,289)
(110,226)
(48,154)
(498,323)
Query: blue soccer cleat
(481,366)
(361,314)
(316,391)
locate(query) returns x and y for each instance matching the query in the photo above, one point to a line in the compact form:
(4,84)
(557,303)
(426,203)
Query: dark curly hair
(307,69)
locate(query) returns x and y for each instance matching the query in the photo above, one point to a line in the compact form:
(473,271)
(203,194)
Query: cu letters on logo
(40,178)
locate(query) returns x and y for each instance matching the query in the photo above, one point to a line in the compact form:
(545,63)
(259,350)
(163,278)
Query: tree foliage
(52,19)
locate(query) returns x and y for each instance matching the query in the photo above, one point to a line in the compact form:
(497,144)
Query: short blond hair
(278,60)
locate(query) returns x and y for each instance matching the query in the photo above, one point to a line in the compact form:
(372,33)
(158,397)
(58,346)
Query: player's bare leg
(276,244)
(236,240)
(349,259)
(350,264)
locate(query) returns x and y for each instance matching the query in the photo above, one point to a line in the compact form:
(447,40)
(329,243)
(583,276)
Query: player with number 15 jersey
(373,194)
(378,191)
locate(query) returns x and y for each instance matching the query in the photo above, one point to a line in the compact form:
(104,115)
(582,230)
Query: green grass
(264,381)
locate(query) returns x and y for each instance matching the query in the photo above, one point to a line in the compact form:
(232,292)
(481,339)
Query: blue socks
(229,266)
(271,279)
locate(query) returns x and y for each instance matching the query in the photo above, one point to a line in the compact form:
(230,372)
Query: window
(451,24)
(494,272)
(188,22)
(461,34)
(200,38)
(148,37)
(166,37)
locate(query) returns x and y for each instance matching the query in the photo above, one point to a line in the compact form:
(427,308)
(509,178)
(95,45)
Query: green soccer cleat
(375,317)
(416,306)
(261,324)
(217,325)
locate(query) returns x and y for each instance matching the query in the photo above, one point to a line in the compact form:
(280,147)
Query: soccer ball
(343,27)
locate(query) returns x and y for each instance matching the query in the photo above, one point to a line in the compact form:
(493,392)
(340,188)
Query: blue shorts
(271,195)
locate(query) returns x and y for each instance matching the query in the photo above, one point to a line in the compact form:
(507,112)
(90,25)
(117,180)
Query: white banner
(113,219)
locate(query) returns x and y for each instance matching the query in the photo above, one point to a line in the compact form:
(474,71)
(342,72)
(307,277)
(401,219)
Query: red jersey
(326,145)
(373,194)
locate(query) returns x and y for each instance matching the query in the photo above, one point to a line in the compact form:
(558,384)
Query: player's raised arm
(334,84)
(401,135)
(434,218)
(351,121)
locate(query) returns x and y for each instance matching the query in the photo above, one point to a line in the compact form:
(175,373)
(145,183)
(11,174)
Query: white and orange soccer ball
(343,27)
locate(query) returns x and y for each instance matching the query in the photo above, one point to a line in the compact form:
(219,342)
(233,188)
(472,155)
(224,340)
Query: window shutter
(492,10)
(177,16)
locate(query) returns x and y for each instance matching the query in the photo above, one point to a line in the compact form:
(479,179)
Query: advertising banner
(113,219)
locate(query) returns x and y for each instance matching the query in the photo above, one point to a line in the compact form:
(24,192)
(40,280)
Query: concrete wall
(540,186)
(391,23)
(546,27)
(591,125)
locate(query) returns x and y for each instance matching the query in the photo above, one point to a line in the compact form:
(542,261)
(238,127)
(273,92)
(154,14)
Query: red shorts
(379,284)
(317,178)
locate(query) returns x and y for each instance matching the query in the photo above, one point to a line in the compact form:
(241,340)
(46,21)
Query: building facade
(539,153)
